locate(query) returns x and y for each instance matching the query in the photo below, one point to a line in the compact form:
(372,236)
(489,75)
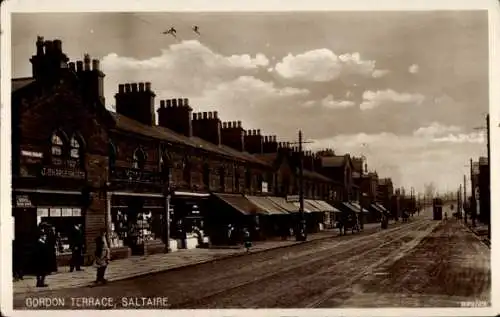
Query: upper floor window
(75,148)
(186,171)
(57,145)
(139,159)
(206,175)
(248,179)
(165,167)
(112,156)
(222,179)
(236,179)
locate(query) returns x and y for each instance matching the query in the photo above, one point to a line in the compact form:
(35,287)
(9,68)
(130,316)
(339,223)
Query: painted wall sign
(264,187)
(62,173)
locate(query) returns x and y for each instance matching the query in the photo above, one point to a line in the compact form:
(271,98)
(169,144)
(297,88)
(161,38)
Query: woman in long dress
(102,255)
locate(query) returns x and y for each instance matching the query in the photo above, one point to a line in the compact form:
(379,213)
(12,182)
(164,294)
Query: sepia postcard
(299,158)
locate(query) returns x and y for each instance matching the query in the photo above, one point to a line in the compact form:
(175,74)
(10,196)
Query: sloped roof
(126,124)
(18,83)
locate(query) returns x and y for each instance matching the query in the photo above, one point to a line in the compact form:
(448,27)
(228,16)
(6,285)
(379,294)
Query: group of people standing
(45,253)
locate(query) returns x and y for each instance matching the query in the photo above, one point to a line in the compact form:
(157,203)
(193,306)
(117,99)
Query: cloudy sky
(405,89)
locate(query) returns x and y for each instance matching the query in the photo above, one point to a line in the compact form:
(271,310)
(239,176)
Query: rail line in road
(256,291)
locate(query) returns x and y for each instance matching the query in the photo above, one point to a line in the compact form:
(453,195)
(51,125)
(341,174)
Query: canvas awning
(282,203)
(382,208)
(307,209)
(358,206)
(352,207)
(267,205)
(312,206)
(377,208)
(326,206)
(241,204)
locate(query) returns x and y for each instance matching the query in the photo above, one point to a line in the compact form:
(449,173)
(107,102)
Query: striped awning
(311,204)
(267,205)
(307,209)
(282,203)
(358,206)
(382,208)
(241,204)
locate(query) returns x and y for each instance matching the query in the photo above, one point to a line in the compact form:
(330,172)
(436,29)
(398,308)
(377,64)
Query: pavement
(136,266)
(481,231)
(422,263)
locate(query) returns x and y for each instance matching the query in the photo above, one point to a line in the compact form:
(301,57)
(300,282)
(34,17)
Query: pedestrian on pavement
(246,239)
(102,255)
(43,257)
(76,244)
(230,231)
(52,244)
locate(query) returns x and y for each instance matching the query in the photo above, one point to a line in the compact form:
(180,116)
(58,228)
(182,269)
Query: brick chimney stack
(270,145)
(91,78)
(207,126)
(175,114)
(136,101)
(233,135)
(49,61)
(254,142)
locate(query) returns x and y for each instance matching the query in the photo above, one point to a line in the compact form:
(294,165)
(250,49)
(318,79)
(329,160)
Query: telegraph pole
(465,193)
(473,192)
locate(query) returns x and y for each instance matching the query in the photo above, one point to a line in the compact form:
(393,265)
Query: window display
(62,220)
(136,229)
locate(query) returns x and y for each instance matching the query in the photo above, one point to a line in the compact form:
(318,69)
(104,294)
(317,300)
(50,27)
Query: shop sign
(135,175)
(292,198)
(264,187)
(23,201)
(32,154)
(62,173)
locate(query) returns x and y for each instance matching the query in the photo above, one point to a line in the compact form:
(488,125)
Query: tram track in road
(356,248)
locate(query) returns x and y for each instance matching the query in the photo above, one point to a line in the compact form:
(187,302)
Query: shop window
(57,145)
(186,172)
(222,179)
(206,175)
(75,148)
(67,225)
(139,159)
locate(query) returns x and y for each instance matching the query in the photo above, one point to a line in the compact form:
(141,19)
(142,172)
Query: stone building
(151,185)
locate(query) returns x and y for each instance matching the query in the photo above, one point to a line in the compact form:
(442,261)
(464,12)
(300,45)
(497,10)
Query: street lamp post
(302,233)
(167,195)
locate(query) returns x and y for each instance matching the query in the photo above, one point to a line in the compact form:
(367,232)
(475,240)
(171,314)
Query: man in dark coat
(43,259)
(52,244)
(76,244)
(102,255)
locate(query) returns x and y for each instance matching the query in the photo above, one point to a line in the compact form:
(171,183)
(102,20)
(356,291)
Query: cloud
(413,69)
(412,159)
(330,103)
(322,65)
(373,99)
(185,68)
(435,129)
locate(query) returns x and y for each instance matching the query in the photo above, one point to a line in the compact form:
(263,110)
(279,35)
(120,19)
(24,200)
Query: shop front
(188,228)
(61,210)
(136,223)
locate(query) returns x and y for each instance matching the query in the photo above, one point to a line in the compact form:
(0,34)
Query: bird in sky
(196,29)
(172,31)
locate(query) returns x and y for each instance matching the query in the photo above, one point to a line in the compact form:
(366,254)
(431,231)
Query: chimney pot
(210,115)
(148,86)
(224,125)
(72,66)
(265,138)
(274,138)
(162,104)
(239,124)
(86,61)
(169,103)
(141,87)
(127,87)
(254,132)
(205,115)
(174,103)
(186,102)
(121,88)
(79,66)
(228,124)
(258,132)
(195,116)
(95,64)
(179,102)
(134,87)
(216,115)
(233,124)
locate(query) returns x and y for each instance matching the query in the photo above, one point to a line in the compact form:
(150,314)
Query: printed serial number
(477,303)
